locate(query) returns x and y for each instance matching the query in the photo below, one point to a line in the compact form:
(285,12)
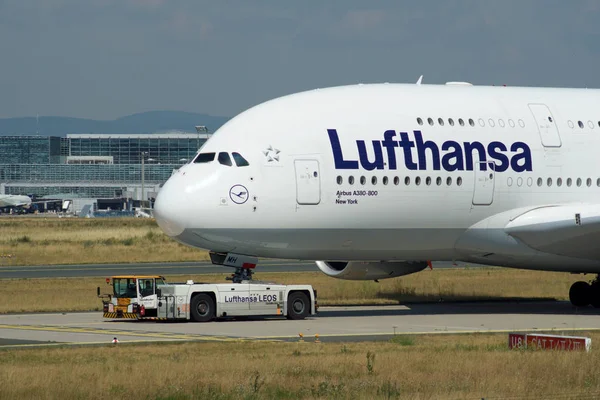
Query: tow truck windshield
(126,287)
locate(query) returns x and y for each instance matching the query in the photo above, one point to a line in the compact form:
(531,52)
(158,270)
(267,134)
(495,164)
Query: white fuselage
(359,173)
(10,200)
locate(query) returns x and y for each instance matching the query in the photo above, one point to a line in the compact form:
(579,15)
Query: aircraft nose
(168,205)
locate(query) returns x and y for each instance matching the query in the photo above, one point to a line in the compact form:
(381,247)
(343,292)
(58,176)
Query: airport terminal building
(94,166)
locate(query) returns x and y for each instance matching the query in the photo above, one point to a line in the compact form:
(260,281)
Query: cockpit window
(225,159)
(239,160)
(204,158)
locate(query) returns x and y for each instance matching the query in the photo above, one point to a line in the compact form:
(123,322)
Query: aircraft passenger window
(521,123)
(448,181)
(239,160)
(540,181)
(509,181)
(598,123)
(224,159)
(569,182)
(491,122)
(407,180)
(578,181)
(571,124)
(363,180)
(441,122)
(340,180)
(591,124)
(549,182)
(501,123)
(598,182)
(374,180)
(580,124)
(451,121)
(396,181)
(204,158)
(511,123)
(462,123)
(559,182)
(471,122)
(428,181)
(481,122)
(351,180)
(459,181)
(519,181)
(385,180)
(588,182)
(430,121)
(418,180)
(529,181)
(419,121)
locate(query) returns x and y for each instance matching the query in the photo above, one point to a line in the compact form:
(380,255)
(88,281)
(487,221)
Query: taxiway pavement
(175,268)
(171,268)
(331,324)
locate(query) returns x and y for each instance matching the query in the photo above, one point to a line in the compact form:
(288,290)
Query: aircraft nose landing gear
(243,265)
(583,294)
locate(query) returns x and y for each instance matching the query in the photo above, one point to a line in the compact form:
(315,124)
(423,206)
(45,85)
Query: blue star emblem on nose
(272,154)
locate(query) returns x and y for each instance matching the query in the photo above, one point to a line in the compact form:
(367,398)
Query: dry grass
(424,367)
(79,294)
(47,241)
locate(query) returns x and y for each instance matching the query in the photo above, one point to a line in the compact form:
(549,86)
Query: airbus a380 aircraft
(376,180)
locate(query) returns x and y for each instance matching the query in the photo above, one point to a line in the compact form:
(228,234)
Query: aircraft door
(546,125)
(308,181)
(483,192)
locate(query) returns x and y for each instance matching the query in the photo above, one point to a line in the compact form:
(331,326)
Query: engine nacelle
(369,270)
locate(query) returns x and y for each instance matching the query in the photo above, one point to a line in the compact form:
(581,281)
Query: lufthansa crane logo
(238,194)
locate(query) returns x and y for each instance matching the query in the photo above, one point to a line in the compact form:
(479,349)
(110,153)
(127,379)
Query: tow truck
(152,298)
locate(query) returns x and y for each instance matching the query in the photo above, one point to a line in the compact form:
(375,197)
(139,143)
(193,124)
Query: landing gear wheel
(594,294)
(581,294)
(202,308)
(298,306)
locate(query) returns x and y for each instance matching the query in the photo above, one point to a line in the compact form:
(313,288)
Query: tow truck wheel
(298,306)
(202,308)
(580,294)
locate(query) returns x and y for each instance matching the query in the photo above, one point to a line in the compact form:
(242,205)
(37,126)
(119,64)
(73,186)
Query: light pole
(199,130)
(142,201)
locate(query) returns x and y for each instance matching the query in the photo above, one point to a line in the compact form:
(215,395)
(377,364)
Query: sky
(104,59)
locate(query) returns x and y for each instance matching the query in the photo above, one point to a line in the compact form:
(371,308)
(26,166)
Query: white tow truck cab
(151,298)
(129,294)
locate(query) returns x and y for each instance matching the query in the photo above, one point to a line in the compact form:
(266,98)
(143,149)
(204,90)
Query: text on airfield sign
(548,342)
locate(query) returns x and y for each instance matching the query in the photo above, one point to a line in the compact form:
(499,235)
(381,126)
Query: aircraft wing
(571,230)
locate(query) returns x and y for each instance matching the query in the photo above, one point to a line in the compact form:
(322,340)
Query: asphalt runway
(332,324)
(176,268)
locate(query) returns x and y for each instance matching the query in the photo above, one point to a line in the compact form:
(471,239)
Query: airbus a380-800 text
(377,180)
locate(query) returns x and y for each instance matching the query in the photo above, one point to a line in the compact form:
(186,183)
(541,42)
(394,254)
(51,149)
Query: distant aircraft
(14,200)
(379,180)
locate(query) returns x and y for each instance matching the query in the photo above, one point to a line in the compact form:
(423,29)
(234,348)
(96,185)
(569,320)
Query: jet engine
(369,270)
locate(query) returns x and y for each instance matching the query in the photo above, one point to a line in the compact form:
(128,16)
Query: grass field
(40,241)
(472,366)
(474,284)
